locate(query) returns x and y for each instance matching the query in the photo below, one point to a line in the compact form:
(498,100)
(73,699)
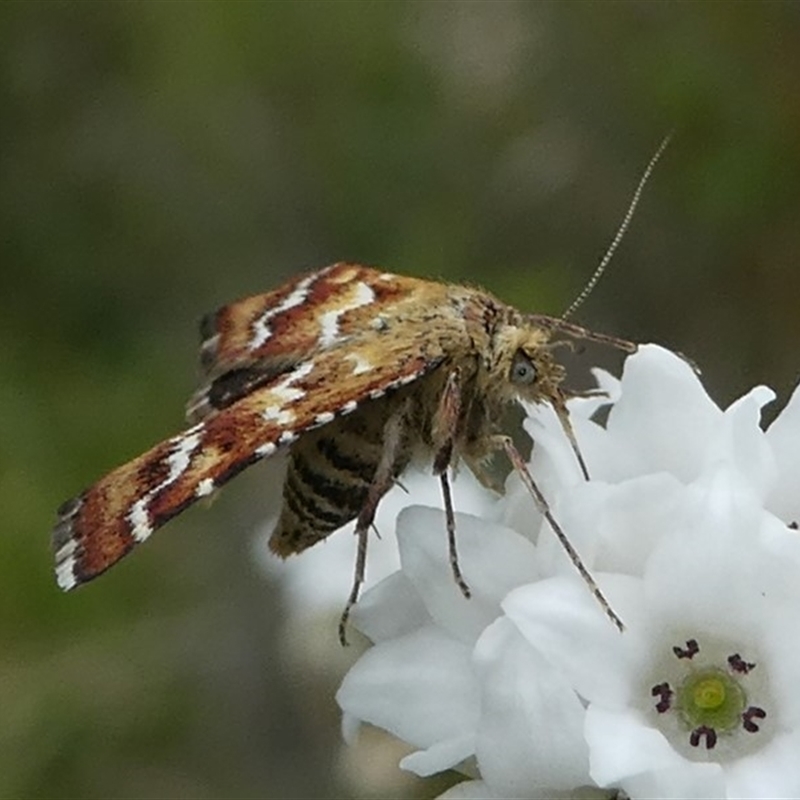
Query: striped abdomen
(328,476)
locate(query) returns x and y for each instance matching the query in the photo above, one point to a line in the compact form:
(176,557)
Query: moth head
(523,367)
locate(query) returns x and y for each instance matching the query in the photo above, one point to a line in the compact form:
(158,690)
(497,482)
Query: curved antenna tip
(626,221)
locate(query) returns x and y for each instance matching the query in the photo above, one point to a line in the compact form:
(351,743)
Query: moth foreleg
(382,481)
(505,443)
(559,403)
(445,428)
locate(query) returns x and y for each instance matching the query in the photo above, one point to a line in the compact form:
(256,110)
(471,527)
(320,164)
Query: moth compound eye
(522,369)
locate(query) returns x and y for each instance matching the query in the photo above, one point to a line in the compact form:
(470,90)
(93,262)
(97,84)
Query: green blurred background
(159,159)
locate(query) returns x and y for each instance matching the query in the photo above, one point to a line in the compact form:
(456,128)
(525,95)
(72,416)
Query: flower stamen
(754,712)
(738,664)
(664,693)
(698,733)
(691,650)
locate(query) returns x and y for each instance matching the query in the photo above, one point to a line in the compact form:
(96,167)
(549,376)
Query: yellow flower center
(709,693)
(712,698)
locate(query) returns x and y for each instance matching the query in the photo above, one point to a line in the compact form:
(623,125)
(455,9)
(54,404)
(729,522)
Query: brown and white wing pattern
(123,509)
(249,342)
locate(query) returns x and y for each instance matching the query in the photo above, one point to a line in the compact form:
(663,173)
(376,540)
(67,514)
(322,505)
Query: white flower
(688,525)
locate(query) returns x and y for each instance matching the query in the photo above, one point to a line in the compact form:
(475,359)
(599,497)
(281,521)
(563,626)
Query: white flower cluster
(689,525)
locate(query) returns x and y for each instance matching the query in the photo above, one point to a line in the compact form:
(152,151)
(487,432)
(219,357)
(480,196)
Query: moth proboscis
(353,371)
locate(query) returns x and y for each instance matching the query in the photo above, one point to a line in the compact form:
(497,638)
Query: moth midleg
(505,443)
(382,481)
(445,427)
(445,422)
(450,522)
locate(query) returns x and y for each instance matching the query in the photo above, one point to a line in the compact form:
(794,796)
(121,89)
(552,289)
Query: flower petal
(390,609)
(664,414)
(420,687)
(440,756)
(480,790)
(493,560)
(530,735)
(615,528)
(773,772)
(563,621)
(469,790)
(627,752)
(711,574)
(689,781)
(783,435)
(740,445)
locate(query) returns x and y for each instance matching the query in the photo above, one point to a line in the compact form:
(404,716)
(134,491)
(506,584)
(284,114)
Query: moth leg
(358,578)
(444,434)
(582,393)
(445,423)
(450,521)
(559,403)
(506,444)
(382,481)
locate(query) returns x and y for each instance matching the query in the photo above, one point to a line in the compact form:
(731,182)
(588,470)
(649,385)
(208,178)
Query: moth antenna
(626,221)
(579,332)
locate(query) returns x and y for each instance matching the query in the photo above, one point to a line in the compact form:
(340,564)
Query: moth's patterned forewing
(353,361)
(264,326)
(247,342)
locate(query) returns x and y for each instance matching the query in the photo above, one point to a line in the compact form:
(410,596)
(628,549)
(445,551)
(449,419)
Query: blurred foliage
(159,159)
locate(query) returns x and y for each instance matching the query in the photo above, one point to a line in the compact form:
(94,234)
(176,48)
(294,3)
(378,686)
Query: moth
(353,371)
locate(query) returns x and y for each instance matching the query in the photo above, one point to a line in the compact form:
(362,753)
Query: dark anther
(698,733)
(738,664)
(664,695)
(754,712)
(793,525)
(692,649)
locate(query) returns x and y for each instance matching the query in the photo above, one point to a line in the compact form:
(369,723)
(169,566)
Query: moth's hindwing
(124,508)
(247,343)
